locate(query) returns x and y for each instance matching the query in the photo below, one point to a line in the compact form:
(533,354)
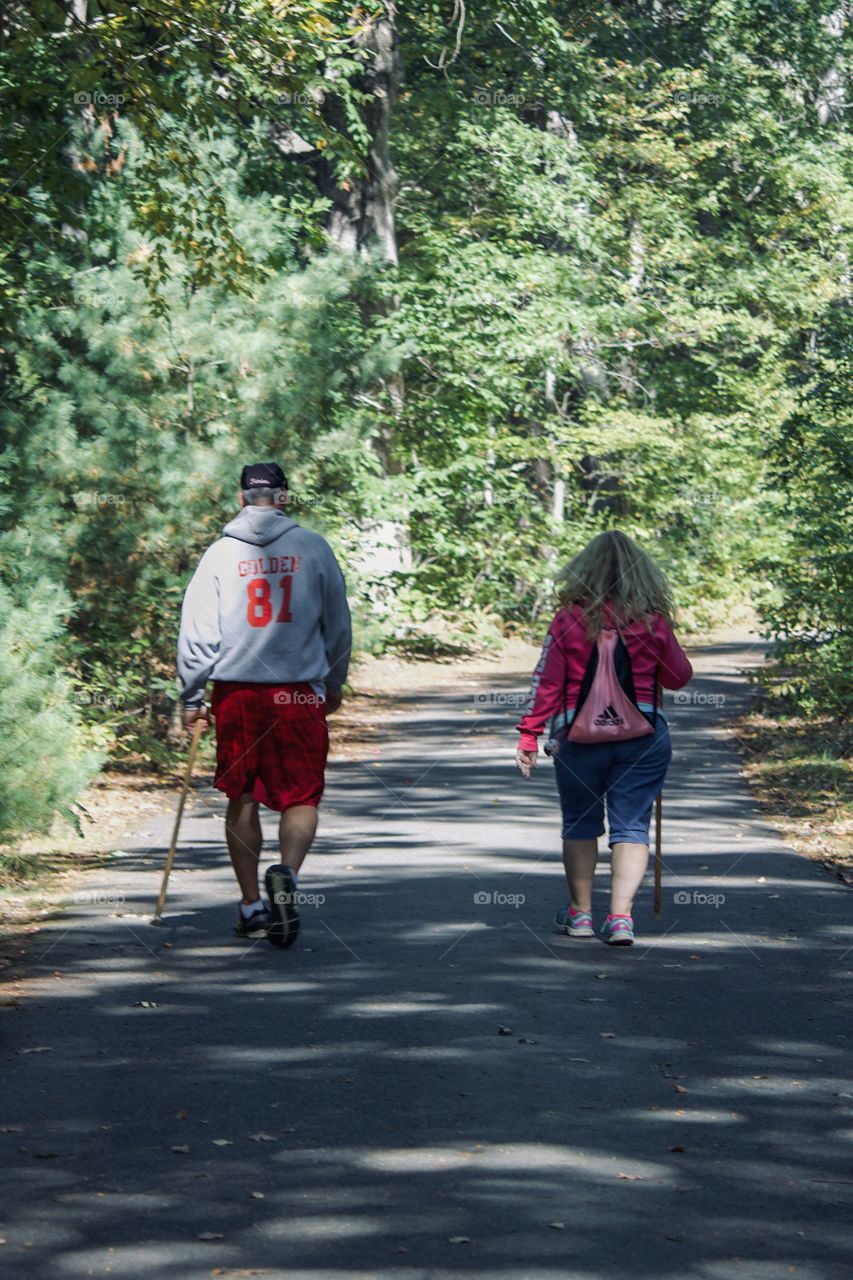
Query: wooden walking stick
(658,832)
(170,856)
(658,858)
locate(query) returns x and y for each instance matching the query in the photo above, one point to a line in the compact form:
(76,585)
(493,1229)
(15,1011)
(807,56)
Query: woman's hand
(526,761)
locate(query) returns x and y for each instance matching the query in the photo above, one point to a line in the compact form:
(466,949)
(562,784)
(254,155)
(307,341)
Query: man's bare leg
(244,839)
(296,830)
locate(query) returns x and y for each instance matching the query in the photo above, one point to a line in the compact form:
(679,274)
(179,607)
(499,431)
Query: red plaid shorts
(271,742)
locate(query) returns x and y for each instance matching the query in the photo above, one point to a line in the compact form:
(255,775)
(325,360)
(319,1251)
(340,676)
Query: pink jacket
(566,652)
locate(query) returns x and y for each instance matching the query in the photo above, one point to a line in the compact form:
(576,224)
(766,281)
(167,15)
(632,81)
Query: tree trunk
(361,220)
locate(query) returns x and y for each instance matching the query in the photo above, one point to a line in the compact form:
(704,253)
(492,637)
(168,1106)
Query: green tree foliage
(46,756)
(811,566)
(181,69)
(608,233)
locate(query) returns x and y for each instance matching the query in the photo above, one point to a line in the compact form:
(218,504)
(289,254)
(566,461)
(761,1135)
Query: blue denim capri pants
(626,775)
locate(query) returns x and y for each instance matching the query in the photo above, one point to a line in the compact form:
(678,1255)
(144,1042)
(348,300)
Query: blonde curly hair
(614,569)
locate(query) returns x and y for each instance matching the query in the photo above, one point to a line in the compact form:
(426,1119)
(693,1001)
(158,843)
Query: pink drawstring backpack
(605,711)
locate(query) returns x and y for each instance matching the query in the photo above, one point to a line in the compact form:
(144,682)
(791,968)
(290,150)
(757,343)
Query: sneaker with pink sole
(577,924)
(618,931)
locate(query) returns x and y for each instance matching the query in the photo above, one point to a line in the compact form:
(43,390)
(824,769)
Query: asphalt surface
(177,1104)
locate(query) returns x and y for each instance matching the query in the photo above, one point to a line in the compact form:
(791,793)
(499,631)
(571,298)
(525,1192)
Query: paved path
(349,1110)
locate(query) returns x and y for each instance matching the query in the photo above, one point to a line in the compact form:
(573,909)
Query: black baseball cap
(263,475)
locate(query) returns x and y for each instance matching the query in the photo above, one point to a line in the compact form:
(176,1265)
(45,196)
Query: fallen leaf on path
(459,1239)
(210,1235)
(222,1142)
(39,1048)
(558,1226)
(679,1088)
(524,1040)
(601,975)
(256,1195)
(144,1004)
(19,1128)
(183,1149)
(262,1137)
(632,1177)
(607,1035)
(504,1031)
(676,1148)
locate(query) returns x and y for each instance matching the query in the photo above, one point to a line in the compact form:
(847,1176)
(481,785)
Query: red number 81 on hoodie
(259,606)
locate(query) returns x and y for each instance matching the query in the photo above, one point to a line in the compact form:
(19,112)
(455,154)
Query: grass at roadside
(801,770)
(36,875)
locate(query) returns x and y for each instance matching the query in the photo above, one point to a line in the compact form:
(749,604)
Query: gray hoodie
(267,604)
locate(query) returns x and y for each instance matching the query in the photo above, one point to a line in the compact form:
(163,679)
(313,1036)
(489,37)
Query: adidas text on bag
(605,711)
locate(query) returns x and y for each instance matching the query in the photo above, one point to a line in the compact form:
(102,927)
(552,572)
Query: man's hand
(334,698)
(526,761)
(191,714)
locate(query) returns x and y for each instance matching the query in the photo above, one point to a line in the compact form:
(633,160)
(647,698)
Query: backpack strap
(625,676)
(586,682)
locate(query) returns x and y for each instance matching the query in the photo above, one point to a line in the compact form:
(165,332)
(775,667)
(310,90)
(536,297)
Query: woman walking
(608,648)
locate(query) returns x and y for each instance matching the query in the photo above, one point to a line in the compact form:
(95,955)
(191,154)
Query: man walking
(266,617)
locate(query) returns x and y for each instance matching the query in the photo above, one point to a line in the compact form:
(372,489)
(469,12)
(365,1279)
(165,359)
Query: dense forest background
(486,280)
